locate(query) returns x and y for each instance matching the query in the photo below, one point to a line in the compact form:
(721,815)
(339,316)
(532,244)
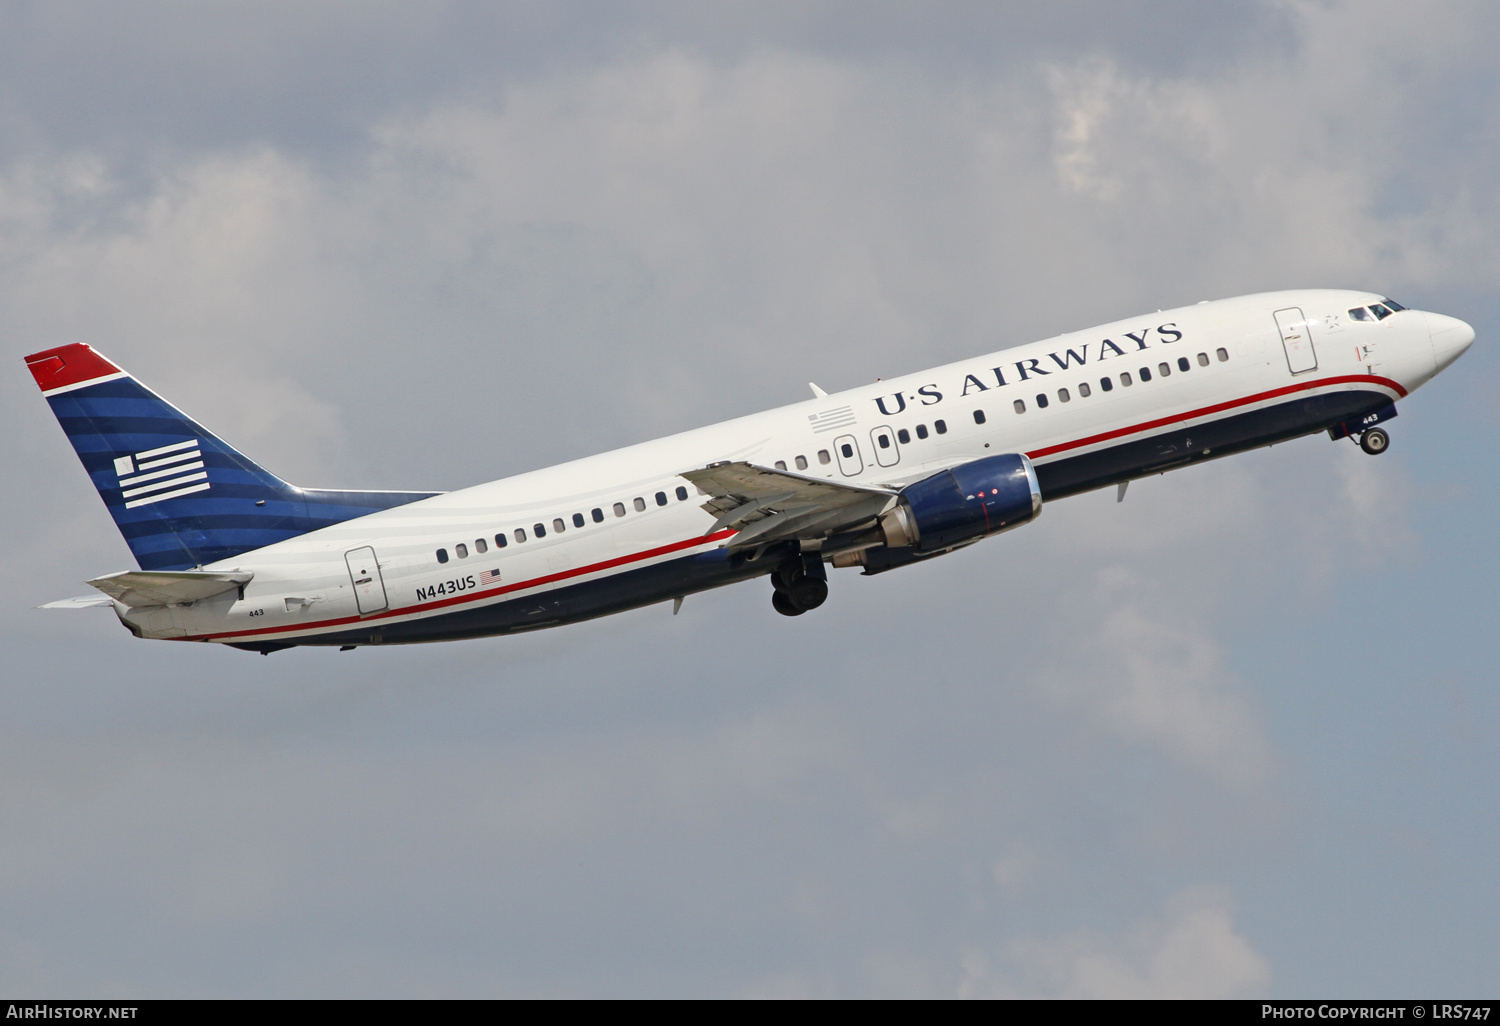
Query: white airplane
(877,477)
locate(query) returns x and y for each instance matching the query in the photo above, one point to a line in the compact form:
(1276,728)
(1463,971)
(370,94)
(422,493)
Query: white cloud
(1191,951)
(1149,677)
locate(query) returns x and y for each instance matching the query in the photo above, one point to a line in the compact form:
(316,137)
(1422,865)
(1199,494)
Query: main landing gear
(801,584)
(1374,441)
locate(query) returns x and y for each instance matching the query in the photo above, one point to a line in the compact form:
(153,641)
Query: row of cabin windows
(1163,369)
(903,436)
(1042,400)
(559,525)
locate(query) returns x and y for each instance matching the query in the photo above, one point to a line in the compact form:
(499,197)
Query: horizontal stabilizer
(168,587)
(79,602)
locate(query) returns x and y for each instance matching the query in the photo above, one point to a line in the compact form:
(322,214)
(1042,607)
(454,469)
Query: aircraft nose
(1451,337)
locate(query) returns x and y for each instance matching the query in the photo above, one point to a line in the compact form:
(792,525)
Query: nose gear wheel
(1375,441)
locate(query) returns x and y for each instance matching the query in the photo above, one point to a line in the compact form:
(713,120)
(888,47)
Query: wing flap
(775,505)
(169,587)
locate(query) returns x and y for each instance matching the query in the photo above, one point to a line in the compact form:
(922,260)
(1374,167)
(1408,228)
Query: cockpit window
(1380,310)
(1359,313)
(1393,305)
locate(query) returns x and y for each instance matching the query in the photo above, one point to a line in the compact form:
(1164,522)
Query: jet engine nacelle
(964,504)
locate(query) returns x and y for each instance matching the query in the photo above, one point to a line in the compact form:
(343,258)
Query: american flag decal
(488,577)
(829,420)
(164,473)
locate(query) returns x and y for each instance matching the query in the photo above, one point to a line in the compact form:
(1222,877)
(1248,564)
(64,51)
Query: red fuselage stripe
(1208,411)
(535,582)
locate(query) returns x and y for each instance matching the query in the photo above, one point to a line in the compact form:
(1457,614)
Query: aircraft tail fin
(180,495)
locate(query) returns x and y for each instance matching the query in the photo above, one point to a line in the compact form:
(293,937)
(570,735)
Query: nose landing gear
(1362,429)
(1374,441)
(801,584)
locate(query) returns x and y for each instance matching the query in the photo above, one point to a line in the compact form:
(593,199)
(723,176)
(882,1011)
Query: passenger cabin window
(823,456)
(639,504)
(979,416)
(903,436)
(1019,405)
(597,514)
(1183,364)
(558,525)
(801,465)
(884,441)
(1041,400)
(1164,369)
(847,450)
(1107,384)
(619,509)
(461,550)
(682,492)
(1063,396)
(501,541)
(1359,313)
(1202,359)
(780,464)
(1083,390)
(1222,354)
(480,546)
(1125,379)
(661,497)
(921,430)
(442,555)
(578,519)
(520,534)
(1145,373)
(540,530)
(940,426)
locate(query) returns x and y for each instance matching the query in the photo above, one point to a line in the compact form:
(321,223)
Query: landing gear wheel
(1375,441)
(801,584)
(808,593)
(783,604)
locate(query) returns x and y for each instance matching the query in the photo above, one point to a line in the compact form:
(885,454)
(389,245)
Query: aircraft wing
(166,587)
(776,505)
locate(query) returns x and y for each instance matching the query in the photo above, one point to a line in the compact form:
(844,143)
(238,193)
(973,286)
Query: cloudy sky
(1233,737)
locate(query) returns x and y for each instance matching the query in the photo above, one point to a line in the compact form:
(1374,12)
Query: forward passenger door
(1296,339)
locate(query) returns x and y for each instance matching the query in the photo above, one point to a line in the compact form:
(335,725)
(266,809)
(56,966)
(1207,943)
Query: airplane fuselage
(625,528)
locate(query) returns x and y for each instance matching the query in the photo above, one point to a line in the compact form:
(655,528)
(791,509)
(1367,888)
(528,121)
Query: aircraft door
(847,450)
(883,441)
(1296,339)
(369,587)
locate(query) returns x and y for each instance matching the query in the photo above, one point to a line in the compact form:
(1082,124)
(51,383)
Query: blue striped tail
(180,495)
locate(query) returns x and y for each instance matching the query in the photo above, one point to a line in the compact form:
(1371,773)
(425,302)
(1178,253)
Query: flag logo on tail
(159,474)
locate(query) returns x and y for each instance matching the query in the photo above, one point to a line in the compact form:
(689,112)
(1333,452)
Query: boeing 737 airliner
(877,477)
